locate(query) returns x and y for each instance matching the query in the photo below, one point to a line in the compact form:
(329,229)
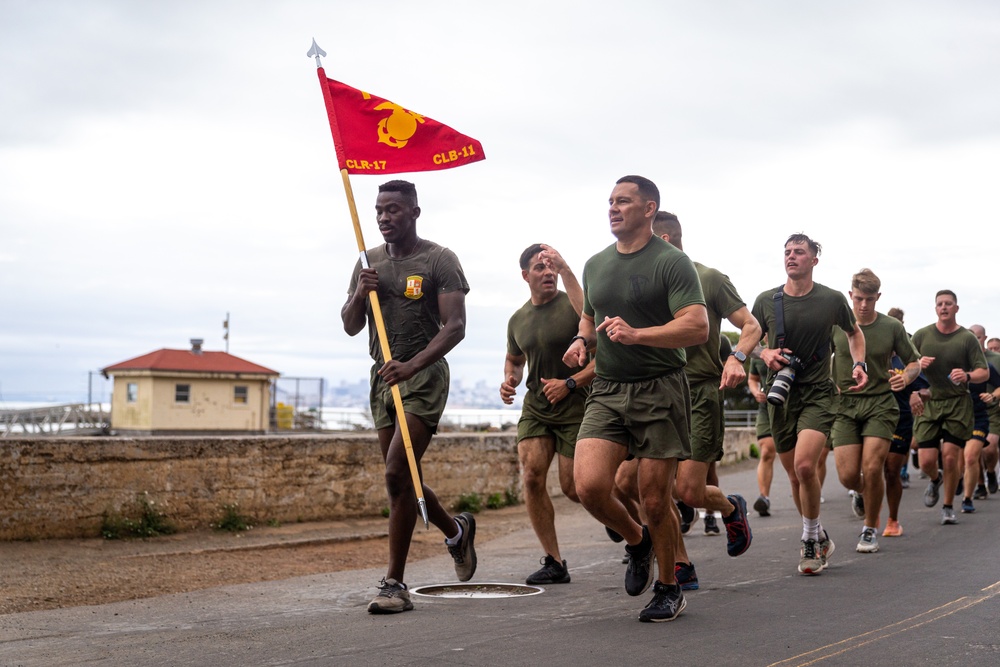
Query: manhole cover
(484,590)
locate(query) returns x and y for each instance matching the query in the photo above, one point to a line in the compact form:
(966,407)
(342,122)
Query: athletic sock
(452,541)
(810,529)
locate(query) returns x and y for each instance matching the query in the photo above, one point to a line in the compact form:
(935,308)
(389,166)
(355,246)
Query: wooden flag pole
(383,339)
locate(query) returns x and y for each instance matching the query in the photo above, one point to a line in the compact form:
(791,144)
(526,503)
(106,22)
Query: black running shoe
(711,525)
(667,604)
(991,482)
(981,493)
(464,553)
(639,573)
(762,506)
(738,530)
(686,577)
(552,572)
(688,517)
(613,534)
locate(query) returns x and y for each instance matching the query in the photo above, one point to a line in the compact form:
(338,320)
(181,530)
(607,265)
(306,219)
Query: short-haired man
(421,290)
(707,375)
(993,344)
(803,416)
(537,335)
(951,359)
(642,306)
(866,419)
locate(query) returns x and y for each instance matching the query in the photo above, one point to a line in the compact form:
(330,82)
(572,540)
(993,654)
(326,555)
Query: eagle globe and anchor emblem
(396,129)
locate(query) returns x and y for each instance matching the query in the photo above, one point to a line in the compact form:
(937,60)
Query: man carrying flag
(421,288)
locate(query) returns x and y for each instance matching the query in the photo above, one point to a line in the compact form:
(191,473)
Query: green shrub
(469,502)
(232,520)
(141,519)
(511,496)
(754,451)
(496,501)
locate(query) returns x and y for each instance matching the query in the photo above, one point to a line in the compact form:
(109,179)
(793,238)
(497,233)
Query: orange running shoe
(892,529)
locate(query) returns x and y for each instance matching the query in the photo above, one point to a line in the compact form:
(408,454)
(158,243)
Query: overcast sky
(162,164)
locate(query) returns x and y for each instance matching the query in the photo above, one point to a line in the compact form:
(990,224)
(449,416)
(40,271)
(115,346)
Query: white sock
(810,529)
(869,527)
(452,541)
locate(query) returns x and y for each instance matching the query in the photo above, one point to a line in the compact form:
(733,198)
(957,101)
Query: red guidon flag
(373,135)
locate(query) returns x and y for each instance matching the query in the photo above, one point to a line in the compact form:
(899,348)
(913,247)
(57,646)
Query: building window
(131,392)
(241,394)
(182,393)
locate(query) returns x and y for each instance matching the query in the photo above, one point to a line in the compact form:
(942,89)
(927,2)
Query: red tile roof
(186,360)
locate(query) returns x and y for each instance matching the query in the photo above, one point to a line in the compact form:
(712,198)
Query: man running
(421,289)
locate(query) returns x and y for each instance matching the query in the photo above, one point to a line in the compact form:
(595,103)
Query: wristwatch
(570,384)
(740,357)
(863,365)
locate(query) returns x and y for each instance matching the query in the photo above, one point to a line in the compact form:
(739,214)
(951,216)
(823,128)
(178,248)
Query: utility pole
(225,336)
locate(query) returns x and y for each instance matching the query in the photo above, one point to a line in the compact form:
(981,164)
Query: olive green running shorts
(945,415)
(652,418)
(424,395)
(859,417)
(809,407)
(563,434)
(707,422)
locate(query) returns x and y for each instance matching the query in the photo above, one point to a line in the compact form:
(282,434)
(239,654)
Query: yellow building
(189,391)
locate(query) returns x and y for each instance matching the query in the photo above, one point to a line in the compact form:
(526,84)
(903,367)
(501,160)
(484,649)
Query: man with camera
(866,419)
(797,318)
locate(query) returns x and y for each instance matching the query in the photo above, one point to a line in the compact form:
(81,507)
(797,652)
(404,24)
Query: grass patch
(469,502)
(232,520)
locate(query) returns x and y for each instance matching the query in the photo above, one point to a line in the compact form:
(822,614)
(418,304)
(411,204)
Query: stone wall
(62,487)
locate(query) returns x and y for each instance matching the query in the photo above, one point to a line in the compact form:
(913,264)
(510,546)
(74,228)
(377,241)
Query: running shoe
(826,548)
(667,604)
(857,505)
(392,598)
(933,491)
(981,493)
(948,516)
(626,558)
(762,505)
(686,577)
(960,489)
(552,572)
(809,560)
(613,534)
(892,529)
(991,482)
(688,516)
(639,573)
(967,506)
(711,526)
(868,544)
(904,479)
(738,531)
(464,553)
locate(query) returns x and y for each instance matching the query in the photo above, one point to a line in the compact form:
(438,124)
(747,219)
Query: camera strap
(779,326)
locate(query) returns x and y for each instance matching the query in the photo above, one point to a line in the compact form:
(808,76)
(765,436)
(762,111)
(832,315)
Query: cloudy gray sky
(163,164)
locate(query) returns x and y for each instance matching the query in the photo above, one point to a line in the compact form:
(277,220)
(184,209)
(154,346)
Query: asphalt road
(929,597)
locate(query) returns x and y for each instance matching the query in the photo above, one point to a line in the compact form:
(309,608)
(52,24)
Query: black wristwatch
(863,365)
(740,357)
(570,384)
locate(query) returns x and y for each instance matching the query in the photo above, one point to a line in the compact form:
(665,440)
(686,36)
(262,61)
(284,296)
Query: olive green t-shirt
(541,334)
(645,288)
(883,338)
(958,349)
(808,320)
(721,299)
(408,288)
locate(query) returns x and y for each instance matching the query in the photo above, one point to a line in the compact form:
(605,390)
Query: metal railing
(77,418)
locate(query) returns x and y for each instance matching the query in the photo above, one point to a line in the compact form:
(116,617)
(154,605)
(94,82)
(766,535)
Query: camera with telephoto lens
(784,379)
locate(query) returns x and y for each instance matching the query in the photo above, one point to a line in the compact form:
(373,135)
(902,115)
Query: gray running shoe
(552,572)
(711,525)
(933,491)
(868,544)
(948,516)
(392,598)
(464,553)
(762,506)
(858,505)
(667,604)
(809,560)
(639,573)
(981,493)
(826,548)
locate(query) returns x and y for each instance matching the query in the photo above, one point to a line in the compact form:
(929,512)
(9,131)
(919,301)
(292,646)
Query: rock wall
(62,487)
